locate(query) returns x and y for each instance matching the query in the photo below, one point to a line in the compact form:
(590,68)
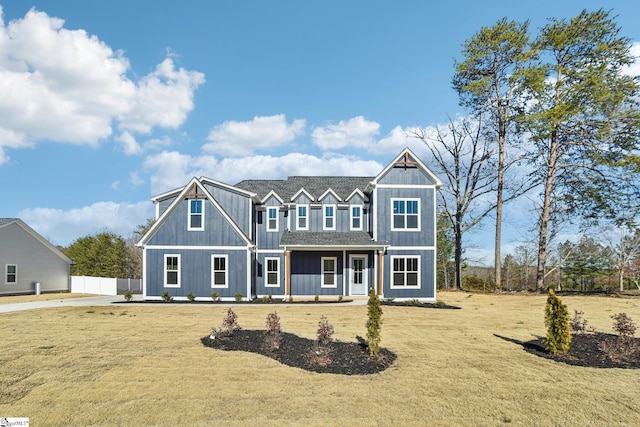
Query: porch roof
(311,240)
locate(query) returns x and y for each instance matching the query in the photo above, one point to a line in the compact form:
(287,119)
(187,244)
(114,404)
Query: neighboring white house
(27,259)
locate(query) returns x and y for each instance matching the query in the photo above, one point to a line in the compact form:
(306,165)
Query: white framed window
(196,214)
(219,271)
(272,276)
(405,214)
(10,274)
(171,271)
(302,214)
(405,271)
(356,217)
(272,219)
(329,272)
(329,217)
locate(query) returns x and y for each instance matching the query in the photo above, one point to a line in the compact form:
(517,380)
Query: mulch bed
(411,303)
(339,357)
(591,350)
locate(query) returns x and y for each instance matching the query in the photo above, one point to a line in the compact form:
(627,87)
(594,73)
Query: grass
(41,297)
(70,366)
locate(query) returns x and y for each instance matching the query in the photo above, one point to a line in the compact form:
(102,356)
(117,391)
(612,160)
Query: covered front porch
(332,263)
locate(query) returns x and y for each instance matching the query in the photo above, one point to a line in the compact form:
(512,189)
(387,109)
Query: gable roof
(195,182)
(5,222)
(329,240)
(407,156)
(315,186)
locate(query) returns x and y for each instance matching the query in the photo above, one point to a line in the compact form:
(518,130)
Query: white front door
(358,274)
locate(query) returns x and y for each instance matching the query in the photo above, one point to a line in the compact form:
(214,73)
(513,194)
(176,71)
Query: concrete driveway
(63,302)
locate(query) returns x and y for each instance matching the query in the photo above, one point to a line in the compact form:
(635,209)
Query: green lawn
(145,365)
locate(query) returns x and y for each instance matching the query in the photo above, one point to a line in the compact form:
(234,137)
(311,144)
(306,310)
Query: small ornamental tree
(556,319)
(273,338)
(374,323)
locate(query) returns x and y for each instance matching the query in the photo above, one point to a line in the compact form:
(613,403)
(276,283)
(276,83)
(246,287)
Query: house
(29,262)
(301,236)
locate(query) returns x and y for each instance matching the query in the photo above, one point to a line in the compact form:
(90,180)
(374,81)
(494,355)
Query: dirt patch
(345,358)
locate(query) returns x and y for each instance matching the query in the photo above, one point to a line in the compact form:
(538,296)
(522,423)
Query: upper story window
(303,217)
(172,271)
(196,214)
(272,219)
(329,217)
(11,274)
(405,214)
(356,217)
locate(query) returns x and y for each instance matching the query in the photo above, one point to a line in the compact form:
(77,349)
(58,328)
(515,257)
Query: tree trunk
(498,256)
(458,250)
(545,215)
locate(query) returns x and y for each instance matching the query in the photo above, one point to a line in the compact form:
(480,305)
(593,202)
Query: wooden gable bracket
(195,193)
(406,162)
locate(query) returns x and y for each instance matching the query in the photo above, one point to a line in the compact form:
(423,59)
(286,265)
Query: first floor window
(172,271)
(406,271)
(273,272)
(11,274)
(329,270)
(272,220)
(219,271)
(196,214)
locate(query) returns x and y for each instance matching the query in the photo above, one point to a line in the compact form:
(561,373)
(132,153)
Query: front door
(358,277)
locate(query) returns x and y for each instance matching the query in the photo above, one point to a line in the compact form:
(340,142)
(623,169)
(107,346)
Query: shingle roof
(329,238)
(5,221)
(343,186)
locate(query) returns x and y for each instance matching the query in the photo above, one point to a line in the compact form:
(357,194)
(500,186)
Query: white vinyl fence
(104,285)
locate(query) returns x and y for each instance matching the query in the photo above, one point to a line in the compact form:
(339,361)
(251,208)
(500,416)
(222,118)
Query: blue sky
(106,103)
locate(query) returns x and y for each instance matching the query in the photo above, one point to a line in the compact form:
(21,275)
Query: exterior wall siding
(261,275)
(427,288)
(306,273)
(236,205)
(217,230)
(35,261)
(405,176)
(426,235)
(195,272)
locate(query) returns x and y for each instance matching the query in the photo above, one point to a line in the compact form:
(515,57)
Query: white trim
(306,217)
(423,186)
(422,166)
(189,214)
(231,188)
(358,192)
(335,272)
(411,248)
(332,192)
(268,211)
(351,227)
(197,248)
(266,272)
(164,271)
(391,271)
(406,214)
(249,274)
(144,274)
(6,274)
(272,194)
(365,273)
(226,271)
(324,216)
(270,251)
(303,191)
(373,212)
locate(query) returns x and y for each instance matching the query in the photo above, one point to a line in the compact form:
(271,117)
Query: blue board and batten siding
(238,223)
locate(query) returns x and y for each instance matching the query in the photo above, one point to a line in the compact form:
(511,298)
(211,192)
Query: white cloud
(129,144)
(68,86)
(355,132)
(397,140)
(172,169)
(634,69)
(62,227)
(234,138)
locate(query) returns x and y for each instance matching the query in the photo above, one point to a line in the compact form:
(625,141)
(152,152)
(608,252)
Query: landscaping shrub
(579,325)
(325,332)
(128,295)
(229,324)
(623,347)
(556,319)
(623,325)
(215,295)
(191,297)
(166,296)
(238,297)
(272,339)
(374,323)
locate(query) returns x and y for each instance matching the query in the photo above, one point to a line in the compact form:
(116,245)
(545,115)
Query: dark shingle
(343,186)
(329,238)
